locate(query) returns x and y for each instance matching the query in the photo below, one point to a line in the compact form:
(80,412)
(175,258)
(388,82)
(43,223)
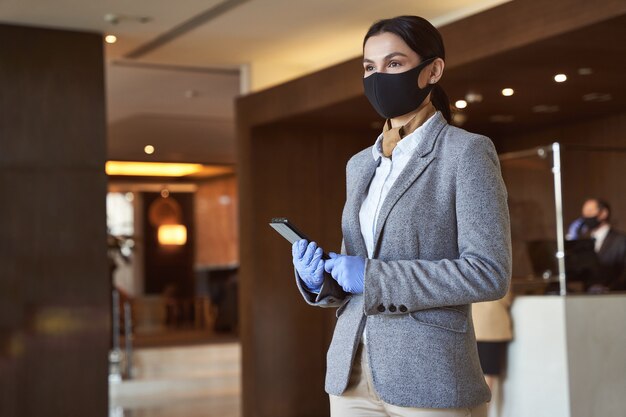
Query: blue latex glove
(307,258)
(575,229)
(348,271)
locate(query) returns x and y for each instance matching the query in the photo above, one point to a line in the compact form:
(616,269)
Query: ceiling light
(460,104)
(149,149)
(585,71)
(110,38)
(116,18)
(559,78)
(151,169)
(501,118)
(597,97)
(459,118)
(507,92)
(473,97)
(545,108)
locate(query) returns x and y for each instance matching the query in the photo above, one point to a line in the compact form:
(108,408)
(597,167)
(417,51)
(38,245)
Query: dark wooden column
(54,285)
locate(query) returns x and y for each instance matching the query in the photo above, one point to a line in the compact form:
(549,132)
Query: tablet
(290,232)
(287,230)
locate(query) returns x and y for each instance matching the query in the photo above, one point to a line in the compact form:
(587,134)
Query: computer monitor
(581,260)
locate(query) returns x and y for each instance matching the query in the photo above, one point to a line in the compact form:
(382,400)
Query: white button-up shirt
(389,169)
(600,235)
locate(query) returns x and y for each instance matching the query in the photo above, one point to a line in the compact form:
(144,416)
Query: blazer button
(403,308)
(381,308)
(392,308)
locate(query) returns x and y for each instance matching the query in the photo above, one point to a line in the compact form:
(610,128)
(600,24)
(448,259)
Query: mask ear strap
(425,62)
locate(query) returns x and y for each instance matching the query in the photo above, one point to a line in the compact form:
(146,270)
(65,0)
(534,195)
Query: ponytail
(440,100)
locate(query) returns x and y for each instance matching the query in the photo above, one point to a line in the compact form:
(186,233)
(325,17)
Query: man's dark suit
(612,258)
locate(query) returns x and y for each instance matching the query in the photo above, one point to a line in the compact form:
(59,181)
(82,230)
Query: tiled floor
(187,381)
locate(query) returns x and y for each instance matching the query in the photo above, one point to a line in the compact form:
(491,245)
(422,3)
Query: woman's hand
(307,258)
(348,271)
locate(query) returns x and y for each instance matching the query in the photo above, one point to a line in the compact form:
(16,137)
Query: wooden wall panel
(217,230)
(517,23)
(531,205)
(297,173)
(54,284)
(585,174)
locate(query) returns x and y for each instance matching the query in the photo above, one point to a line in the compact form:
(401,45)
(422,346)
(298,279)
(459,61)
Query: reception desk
(568,357)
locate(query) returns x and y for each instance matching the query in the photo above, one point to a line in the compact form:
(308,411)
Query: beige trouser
(360,399)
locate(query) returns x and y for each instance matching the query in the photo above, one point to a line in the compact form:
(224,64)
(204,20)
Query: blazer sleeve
(483,269)
(331,294)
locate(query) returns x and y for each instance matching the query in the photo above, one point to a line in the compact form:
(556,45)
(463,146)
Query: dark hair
(423,38)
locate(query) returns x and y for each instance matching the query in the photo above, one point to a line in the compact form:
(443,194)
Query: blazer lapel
(364,176)
(415,167)
(608,243)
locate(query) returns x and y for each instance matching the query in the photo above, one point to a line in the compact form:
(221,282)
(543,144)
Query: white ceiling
(274,40)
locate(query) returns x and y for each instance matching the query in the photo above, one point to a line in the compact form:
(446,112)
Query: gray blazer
(442,243)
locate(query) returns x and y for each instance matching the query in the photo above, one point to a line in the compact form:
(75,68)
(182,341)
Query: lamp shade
(172,234)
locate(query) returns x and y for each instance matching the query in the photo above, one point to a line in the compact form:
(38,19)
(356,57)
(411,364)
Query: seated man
(610,244)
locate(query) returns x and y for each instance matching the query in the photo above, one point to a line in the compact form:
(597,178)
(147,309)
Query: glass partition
(529,178)
(547,187)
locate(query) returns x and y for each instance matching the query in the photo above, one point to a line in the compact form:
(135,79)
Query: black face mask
(591,222)
(393,95)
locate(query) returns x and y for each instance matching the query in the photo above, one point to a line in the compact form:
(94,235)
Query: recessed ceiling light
(473,97)
(459,118)
(501,118)
(110,38)
(545,108)
(149,149)
(585,71)
(560,78)
(116,18)
(460,104)
(597,97)
(507,92)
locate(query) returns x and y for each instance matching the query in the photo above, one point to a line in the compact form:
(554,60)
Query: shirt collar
(601,232)
(410,133)
(377,149)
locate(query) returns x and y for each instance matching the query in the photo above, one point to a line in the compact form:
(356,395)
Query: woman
(425,234)
(494,330)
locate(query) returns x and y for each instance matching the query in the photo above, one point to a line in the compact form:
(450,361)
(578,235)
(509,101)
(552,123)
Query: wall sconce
(165,214)
(172,234)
